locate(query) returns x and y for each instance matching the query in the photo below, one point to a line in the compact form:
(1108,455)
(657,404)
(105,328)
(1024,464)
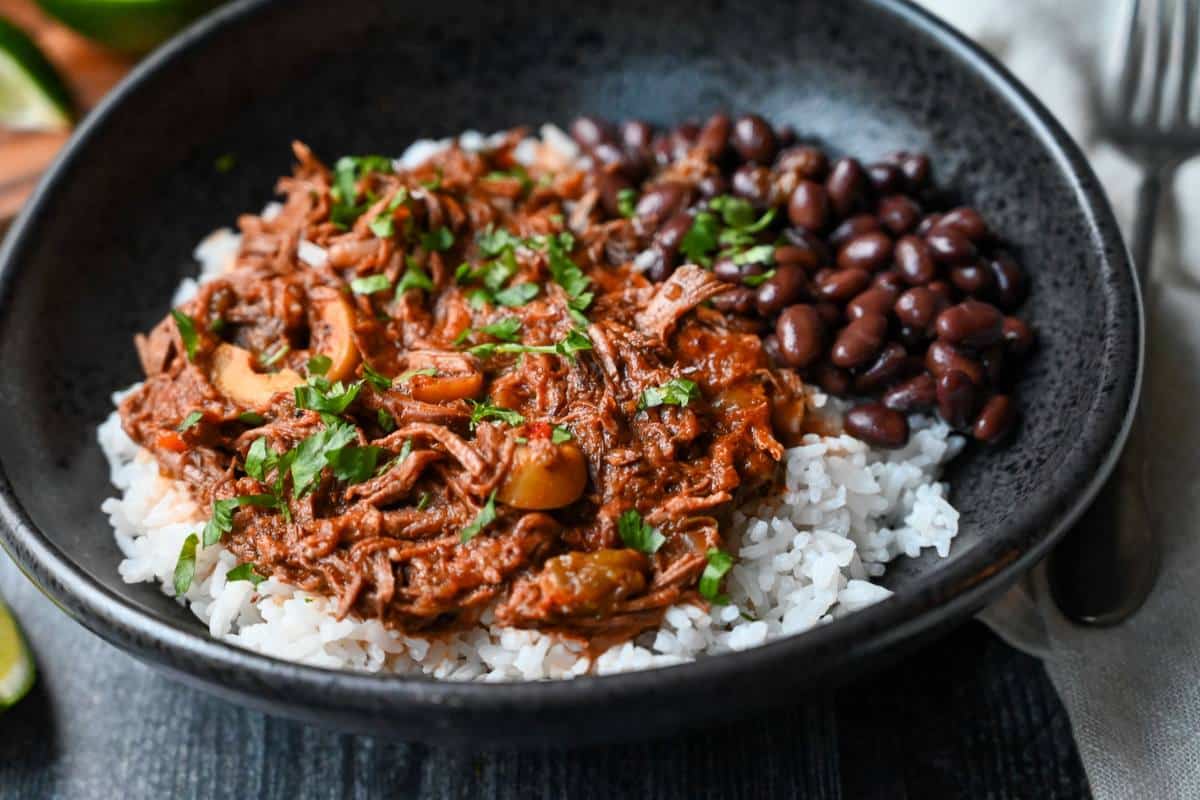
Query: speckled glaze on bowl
(96,254)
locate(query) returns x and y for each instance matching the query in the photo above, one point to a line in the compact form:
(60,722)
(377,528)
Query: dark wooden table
(969,717)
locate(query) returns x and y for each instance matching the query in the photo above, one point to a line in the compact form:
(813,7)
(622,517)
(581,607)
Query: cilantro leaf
(408,375)
(319,364)
(244,572)
(719,563)
(516,296)
(637,533)
(378,380)
(270,359)
(307,459)
(384,223)
(754,281)
(507,329)
(414,278)
(187,332)
(191,419)
(251,418)
(185,566)
(495,241)
(221,521)
(485,517)
(575,341)
(333,399)
(699,243)
(353,464)
(760,254)
(260,459)
(440,239)
(627,202)
(370,284)
(387,423)
(560,435)
(423,501)
(347,172)
(675,392)
(487,410)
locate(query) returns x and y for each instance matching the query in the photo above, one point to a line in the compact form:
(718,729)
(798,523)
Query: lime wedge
(131,26)
(16,665)
(32,95)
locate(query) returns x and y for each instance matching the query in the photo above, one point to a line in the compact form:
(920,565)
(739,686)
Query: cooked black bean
(886,178)
(683,139)
(878,425)
(942,358)
(753,183)
(971,323)
(975,279)
(914,260)
(966,221)
(830,313)
(662,148)
(876,300)
(661,202)
(915,167)
(662,265)
(843,284)
(890,279)
(712,185)
(611,183)
(636,135)
(590,131)
(852,227)
(918,393)
(834,380)
(1009,280)
(753,139)
(845,185)
(788,285)
(785,135)
(943,290)
(771,347)
(919,307)
(739,300)
(899,213)
(672,232)
(808,206)
(726,269)
(714,136)
(859,341)
(870,251)
(948,246)
(890,366)
(804,257)
(807,162)
(994,362)
(927,224)
(995,420)
(957,398)
(802,238)
(1018,338)
(801,335)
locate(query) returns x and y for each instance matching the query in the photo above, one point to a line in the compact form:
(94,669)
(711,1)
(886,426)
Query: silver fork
(1104,568)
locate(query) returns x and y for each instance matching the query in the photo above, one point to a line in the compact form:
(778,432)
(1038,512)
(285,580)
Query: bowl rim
(955,589)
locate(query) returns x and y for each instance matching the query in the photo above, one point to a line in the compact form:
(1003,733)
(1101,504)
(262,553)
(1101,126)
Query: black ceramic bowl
(96,254)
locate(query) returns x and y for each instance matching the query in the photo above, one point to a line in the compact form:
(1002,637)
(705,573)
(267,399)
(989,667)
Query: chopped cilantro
(191,419)
(440,239)
(319,395)
(436,182)
(379,381)
(387,423)
(754,281)
(185,566)
(370,284)
(507,329)
(245,572)
(319,364)
(675,392)
(221,521)
(495,241)
(719,563)
(423,501)
(637,533)
(307,459)
(384,223)
(187,332)
(575,341)
(259,459)
(347,172)
(487,410)
(700,241)
(414,278)
(270,359)
(485,517)
(353,464)
(409,374)
(251,418)
(516,296)
(626,202)
(560,435)
(759,254)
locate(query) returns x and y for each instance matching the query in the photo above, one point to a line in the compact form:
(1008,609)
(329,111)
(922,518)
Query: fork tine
(1189,31)
(1127,56)
(1154,62)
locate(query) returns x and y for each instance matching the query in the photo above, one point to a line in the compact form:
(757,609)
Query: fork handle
(1149,198)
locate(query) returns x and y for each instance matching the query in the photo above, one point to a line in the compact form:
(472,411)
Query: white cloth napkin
(1132,692)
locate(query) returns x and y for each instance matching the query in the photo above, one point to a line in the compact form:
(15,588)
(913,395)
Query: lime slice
(32,95)
(131,26)
(16,665)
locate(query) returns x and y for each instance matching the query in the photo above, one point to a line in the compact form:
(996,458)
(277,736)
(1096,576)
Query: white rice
(803,558)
